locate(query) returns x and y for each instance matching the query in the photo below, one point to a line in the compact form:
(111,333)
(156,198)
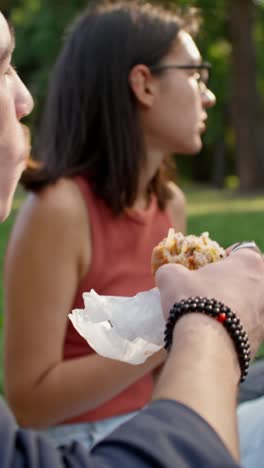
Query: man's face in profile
(15,103)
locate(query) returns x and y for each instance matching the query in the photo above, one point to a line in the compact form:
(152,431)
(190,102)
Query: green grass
(228,228)
(227,217)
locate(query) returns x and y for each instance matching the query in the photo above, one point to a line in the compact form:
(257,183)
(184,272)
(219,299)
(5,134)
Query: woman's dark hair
(91,124)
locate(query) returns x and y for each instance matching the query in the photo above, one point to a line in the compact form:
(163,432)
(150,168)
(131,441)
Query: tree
(226,39)
(247,118)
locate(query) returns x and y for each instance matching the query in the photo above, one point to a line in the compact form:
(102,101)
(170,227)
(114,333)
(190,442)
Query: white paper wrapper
(128,329)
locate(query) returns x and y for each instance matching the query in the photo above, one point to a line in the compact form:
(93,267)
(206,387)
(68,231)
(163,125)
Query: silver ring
(246,245)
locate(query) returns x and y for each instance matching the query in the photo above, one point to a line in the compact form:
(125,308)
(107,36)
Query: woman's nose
(208,98)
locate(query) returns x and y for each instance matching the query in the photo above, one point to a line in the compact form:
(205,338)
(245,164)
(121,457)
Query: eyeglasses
(201,71)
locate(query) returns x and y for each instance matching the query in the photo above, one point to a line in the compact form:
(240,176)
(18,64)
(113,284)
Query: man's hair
(91,124)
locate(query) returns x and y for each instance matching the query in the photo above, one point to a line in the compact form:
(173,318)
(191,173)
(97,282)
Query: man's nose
(23,100)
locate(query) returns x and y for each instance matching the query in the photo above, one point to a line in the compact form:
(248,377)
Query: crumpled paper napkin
(128,329)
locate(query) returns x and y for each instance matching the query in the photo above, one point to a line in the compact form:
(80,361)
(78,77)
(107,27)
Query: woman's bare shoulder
(61,201)
(56,213)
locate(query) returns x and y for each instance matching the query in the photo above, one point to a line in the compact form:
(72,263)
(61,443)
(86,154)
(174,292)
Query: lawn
(227,217)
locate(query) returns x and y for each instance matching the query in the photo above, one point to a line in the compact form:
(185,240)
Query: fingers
(229,249)
(239,269)
(246,257)
(243,245)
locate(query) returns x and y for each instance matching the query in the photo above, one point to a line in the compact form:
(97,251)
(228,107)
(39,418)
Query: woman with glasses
(128,89)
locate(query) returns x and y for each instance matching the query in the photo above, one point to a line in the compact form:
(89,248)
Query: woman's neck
(142,201)
(154,158)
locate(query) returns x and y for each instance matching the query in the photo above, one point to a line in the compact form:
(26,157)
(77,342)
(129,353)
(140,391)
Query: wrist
(217,312)
(209,344)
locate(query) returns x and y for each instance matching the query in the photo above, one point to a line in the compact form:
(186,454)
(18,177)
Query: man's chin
(6,201)
(5,210)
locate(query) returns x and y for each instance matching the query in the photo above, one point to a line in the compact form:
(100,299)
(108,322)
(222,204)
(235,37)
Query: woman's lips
(202,127)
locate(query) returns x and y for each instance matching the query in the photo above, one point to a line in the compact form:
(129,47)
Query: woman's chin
(192,148)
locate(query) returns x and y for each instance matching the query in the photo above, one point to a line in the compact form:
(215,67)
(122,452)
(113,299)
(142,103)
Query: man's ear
(143,84)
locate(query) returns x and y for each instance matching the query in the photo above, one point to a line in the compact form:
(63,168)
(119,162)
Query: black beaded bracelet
(219,312)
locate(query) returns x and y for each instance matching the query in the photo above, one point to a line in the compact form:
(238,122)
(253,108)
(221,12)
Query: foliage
(40,27)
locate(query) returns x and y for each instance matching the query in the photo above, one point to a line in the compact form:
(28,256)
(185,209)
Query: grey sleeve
(165,435)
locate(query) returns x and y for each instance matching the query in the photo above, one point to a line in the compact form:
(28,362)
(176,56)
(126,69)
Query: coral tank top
(120,266)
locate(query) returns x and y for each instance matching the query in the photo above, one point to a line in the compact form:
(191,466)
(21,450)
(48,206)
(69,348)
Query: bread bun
(190,251)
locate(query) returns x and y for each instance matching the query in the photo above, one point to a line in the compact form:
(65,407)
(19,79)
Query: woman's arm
(48,254)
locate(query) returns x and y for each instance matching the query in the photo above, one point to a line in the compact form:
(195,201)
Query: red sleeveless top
(121,254)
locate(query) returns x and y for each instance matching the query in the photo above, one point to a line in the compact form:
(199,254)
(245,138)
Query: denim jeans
(251,433)
(86,433)
(253,387)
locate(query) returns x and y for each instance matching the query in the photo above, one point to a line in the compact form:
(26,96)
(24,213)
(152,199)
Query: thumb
(166,273)
(170,279)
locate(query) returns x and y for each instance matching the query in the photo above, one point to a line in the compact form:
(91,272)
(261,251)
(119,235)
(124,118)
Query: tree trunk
(247,119)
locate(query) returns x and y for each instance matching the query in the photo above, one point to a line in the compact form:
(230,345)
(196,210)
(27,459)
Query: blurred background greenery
(225,182)
(231,38)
